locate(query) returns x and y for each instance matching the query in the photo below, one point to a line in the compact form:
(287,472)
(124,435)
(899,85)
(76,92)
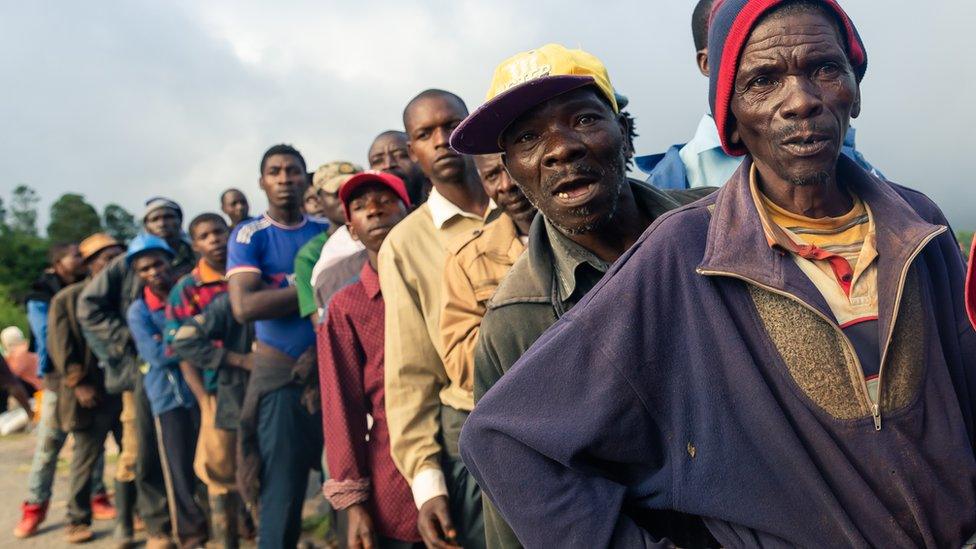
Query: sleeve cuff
(427,485)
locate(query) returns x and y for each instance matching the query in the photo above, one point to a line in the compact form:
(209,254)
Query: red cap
(971,286)
(367,177)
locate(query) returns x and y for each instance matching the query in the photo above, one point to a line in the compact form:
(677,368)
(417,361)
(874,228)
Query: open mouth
(575,192)
(808,144)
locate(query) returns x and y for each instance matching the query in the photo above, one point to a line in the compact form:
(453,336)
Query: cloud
(123,100)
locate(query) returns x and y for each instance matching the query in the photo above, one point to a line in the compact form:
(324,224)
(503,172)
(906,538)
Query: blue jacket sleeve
(148,338)
(37,319)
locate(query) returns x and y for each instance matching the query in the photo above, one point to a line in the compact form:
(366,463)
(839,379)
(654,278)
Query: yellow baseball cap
(522,82)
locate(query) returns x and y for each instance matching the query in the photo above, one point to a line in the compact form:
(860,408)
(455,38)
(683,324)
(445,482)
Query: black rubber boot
(125,504)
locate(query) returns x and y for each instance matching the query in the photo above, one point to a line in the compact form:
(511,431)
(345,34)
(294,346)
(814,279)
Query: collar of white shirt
(443,210)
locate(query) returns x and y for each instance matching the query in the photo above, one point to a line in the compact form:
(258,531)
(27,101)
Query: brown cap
(96,243)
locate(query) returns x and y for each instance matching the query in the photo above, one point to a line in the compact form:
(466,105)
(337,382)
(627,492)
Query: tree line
(23,250)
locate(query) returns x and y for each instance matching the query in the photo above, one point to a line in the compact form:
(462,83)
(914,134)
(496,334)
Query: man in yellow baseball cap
(555,118)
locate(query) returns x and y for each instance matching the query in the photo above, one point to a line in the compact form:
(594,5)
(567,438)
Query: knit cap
(729,27)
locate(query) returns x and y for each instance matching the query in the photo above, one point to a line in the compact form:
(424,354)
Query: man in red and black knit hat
(787,358)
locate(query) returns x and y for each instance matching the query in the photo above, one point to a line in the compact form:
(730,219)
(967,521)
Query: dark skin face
(283,180)
(103,258)
(312,203)
(235,206)
(164,223)
(389,153)
(500,187)
(429,125)
(569,157)
(210,241)
(795,94)
(332,208)
(153,270)
(373,210)
(71,267)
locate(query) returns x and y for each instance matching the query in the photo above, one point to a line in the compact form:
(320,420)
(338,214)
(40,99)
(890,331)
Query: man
(66,268)
(214,460)
(363,480)
(174,409)
(565,142)
(311,204)
(102,309)
(701,161)
(390,153)
(164,218)
(743,362)
(234,205)
(14,387)
(276,419)
(342,257)
(477,264)
(326,182)
(425,408)
(84,408)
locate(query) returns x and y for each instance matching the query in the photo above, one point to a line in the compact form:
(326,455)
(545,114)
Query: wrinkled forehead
(796,25)
(388,142)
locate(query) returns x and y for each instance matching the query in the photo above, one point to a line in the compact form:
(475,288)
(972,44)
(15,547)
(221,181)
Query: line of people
(765,343)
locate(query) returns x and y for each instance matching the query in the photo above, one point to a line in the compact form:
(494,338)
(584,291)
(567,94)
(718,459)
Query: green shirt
(304,263)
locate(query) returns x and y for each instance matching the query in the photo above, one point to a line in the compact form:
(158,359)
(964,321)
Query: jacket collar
(736,243)
(501,240)
(531,277)
(205,274)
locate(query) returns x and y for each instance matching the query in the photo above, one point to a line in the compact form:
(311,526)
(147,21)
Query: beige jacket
(475,267)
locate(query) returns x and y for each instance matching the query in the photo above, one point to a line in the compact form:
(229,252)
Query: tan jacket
(411,270)
(475,267)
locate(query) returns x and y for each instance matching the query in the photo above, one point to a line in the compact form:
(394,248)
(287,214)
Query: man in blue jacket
(175,414)
(788,358)
(702,162)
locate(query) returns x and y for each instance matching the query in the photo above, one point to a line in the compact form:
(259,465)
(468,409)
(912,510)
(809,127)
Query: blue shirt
(163,382)
(37,320)
(268,248)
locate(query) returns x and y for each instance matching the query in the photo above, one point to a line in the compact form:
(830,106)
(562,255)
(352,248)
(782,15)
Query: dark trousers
(290,445)
(150,484)
(177,431)
(464,494)
(88,446)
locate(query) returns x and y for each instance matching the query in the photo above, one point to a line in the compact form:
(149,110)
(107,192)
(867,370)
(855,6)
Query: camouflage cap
(329,177)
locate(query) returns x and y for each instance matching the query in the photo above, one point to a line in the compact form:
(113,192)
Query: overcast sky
(122,100)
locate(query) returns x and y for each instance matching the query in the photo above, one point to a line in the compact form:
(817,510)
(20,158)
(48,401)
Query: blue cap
(145,242)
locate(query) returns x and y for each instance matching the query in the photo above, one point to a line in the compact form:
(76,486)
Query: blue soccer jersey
(268,248)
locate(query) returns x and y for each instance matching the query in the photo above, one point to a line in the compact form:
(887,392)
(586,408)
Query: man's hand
(360,534)
(86,396)
(434,523)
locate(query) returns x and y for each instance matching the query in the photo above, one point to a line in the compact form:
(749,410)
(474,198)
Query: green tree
(11,314)
(22,259)
(72,219)
(23,210)
(3,214)
(119,223)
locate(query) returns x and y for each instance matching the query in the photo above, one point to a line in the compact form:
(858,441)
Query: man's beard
(816,178)
(585,211)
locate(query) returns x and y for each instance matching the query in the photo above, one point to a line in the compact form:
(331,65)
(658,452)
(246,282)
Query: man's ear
(352,231)
(734,136)
(856,108)
(624,124)
(410,153)
(701,59)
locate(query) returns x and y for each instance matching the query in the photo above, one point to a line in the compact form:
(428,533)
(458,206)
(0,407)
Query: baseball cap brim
(388,180)
(479,133)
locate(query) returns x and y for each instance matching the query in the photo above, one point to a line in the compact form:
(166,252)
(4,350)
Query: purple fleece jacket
(663,389)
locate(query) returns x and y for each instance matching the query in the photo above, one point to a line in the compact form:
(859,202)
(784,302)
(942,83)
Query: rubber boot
(223,519)
(125,504)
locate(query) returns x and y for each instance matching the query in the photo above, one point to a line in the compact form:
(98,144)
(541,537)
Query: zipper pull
(876,412)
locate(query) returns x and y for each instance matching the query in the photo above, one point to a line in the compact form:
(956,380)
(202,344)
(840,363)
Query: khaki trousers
(125,469)
(214,462)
